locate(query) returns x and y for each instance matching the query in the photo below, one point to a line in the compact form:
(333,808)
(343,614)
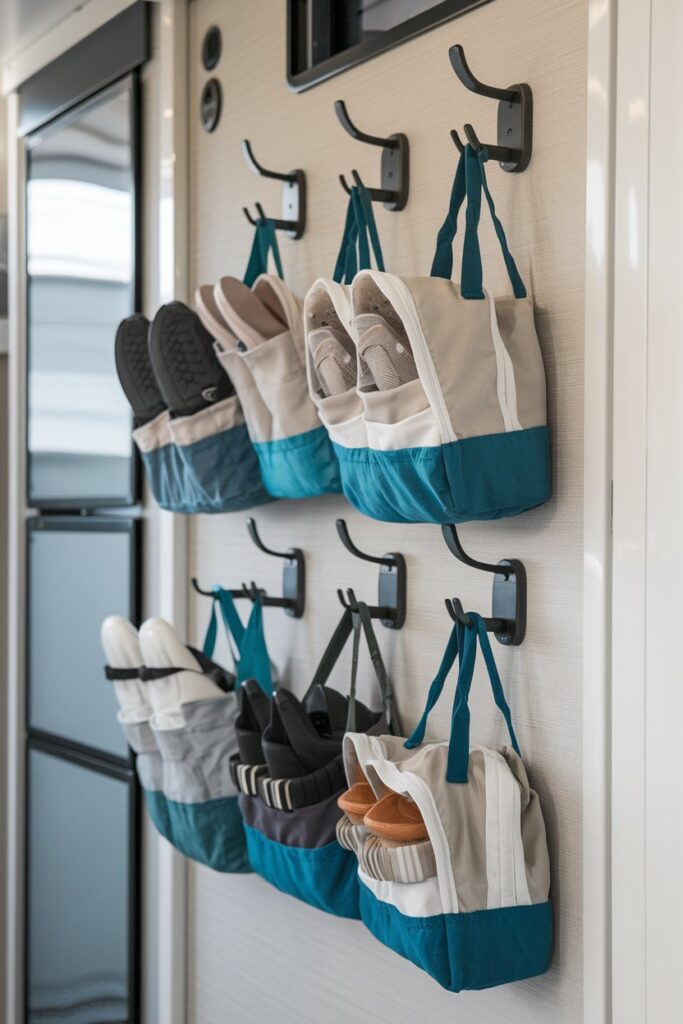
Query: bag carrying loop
(362,618)
(453,647)
(251,655)
(469,180)
(459,744)
(359,238)
(265,242)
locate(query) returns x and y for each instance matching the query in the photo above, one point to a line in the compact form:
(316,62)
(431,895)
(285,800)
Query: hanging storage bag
(291,824)
(195,734)
(335,378)
(470,907)
(452,385)
(259,340)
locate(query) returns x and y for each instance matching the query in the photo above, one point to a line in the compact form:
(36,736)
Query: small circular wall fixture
(211,48)
(210,105)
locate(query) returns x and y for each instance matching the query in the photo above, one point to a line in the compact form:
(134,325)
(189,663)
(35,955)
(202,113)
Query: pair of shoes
(154,673)
(394,819)
(245,318)
(168,364)
(372,353)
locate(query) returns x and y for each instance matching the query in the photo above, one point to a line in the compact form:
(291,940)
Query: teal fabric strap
(453,646)
(344,270)
(471,273)
(264,243)
(515,278)
(368,228)
(469,180)
(442,264)
(252,660)
(459,744)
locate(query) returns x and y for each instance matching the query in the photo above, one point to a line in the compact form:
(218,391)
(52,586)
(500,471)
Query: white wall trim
(71,30)
(629,520)
(15,566)
(597,509)
(169,590)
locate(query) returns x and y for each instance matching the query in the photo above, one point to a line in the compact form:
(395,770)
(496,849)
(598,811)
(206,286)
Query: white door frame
(164,909)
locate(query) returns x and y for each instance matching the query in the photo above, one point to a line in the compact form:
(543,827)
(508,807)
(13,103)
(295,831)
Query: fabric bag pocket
(221,467)
(164,468)
(200,794)
(150,771)
(298,853)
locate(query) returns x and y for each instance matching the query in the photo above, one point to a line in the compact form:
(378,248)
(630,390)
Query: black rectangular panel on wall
(82,927)
(80,569)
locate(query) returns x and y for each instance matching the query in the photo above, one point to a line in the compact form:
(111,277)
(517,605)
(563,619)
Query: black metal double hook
(293,195)
(293,579)
(395,156)
(515,117)
(391,604)
(508,621)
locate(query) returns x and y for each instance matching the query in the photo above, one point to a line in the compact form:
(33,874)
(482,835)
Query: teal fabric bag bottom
(326,876)
(302,466)
(157,807)
(219,473)
(473,950)
(210,833)
(476,478)
(166,477)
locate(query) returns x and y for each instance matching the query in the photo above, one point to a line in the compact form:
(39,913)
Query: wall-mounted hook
(293,579)
(508,621)
(240,592)
(293,195)
(391,601)
(515,117)
(293,598)
(395,162)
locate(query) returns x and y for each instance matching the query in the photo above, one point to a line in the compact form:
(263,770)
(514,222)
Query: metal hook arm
(204,593)
(344,184)
(450,535)
(249,217)
(501,153)
(344,537)
(355,133)
(458,614)
(462,70)
(457,141)
(258,168)
(254,534)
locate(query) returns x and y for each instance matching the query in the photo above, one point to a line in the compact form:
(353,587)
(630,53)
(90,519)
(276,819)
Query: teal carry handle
(252,660)
(459,744)
(469,180)
(453,647)
(359,240)
(264,243)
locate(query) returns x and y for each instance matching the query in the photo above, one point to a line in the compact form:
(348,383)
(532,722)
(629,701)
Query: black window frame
(299,80)
(129,82)
(125,774)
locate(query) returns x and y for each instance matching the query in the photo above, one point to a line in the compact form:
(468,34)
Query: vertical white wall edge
(172,581)
(597,510)
(15,567)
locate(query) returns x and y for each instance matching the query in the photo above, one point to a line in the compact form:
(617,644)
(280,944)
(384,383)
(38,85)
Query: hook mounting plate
(509,603)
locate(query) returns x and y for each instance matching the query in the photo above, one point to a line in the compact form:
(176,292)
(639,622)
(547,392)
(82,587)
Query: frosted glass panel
(78,871)
(81,253)
(77,576)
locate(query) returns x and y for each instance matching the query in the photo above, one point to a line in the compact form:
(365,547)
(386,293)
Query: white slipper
(162,648)
(121,646)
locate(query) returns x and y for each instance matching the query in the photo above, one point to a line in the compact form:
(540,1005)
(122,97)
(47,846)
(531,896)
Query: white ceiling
(24,21)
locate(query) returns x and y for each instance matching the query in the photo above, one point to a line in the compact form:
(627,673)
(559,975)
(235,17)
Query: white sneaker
(121,646)
(162,648)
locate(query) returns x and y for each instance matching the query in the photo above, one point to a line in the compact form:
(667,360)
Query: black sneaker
(135,370)
(186,367)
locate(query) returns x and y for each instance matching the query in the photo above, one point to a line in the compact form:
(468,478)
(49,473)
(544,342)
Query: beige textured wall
(256,955)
